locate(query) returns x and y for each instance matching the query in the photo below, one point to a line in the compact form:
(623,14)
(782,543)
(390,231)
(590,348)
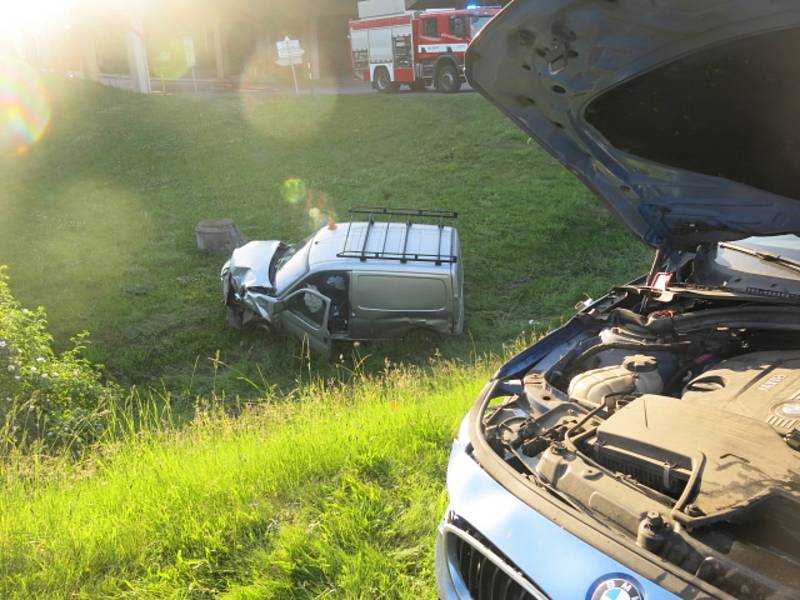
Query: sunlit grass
(338,492)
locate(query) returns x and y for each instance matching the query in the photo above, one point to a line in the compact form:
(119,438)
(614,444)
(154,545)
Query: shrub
(46,399)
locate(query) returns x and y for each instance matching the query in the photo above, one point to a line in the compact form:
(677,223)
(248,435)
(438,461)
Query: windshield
(478,22)
(756,265)
(292,264)
(778,243)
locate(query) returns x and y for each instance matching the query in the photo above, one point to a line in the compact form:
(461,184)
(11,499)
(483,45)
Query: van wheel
(383,83)
(448,79)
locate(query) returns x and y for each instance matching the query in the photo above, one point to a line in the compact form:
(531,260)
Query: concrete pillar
(91,66)
(310,42)
(219,50)
(264,43)
(44,54)
(17,44)
(264,49)
(137,57)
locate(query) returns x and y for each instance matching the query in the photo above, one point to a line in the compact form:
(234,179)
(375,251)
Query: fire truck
(415,48)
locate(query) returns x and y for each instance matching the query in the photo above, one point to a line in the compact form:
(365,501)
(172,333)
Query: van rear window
(383,292)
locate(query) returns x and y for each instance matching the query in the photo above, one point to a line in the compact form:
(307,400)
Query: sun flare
(24,107)
(20,15)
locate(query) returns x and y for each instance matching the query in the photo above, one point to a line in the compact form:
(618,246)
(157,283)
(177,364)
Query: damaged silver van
(363,280)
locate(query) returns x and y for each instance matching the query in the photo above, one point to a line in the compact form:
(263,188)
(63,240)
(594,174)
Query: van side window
(458,26)
(310,307)
(334,285)
(430,27)
(396,293)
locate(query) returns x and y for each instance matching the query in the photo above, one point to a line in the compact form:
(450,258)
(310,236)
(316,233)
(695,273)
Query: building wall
(234,39)
(320,25)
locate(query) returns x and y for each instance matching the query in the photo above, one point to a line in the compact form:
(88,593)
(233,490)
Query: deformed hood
(682,116)
(249,266)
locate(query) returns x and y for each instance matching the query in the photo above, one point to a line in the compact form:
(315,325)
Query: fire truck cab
(415,48)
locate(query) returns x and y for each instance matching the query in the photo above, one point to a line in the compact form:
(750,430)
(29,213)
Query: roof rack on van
(413,217)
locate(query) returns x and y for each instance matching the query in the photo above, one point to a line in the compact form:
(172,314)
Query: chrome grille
(484,572)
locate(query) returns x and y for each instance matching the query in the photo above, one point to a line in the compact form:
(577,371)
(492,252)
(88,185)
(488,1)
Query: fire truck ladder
(413,217)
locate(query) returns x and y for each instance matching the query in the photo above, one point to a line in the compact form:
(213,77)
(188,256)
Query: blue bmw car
(650,447)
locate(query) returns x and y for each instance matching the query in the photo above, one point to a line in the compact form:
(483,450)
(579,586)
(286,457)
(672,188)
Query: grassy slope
(328,492)
(336,494)
(98,219)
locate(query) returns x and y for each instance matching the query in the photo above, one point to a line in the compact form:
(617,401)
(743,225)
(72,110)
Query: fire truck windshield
(478,22)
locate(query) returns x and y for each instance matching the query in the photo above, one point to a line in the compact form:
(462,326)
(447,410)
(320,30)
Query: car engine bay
(676,425)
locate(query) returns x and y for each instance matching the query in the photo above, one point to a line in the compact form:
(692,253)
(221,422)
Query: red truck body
(415,48)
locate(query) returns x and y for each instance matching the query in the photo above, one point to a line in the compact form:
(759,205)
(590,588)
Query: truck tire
(448,79)
(383,82)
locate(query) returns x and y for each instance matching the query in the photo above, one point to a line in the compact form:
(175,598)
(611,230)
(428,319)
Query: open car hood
(680,115)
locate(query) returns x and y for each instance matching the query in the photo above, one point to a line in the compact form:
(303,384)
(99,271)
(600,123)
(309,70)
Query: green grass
(326,483)
(336,494)
(98,220)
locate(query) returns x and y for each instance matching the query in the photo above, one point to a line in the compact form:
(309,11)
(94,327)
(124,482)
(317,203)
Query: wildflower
(12,368)
(45,375)
(40,359)
(3,344)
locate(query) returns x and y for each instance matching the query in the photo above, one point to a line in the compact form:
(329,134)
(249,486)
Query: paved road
(231,87)
(356,88)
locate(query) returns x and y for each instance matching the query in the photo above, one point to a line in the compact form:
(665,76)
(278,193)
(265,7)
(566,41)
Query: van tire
(383,81)
(448,79)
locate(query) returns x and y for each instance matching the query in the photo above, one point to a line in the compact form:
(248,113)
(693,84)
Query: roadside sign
(289,62)
(290,54)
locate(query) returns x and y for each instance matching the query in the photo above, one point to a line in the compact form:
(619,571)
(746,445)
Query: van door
(390,304)
(305,315)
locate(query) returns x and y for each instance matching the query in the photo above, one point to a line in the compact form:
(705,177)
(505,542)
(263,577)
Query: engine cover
(762,385)
(737,461)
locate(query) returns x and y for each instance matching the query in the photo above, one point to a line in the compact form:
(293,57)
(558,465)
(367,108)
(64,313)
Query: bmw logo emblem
(615,587)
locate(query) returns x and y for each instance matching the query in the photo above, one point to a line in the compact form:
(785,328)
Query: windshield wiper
(777,259)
